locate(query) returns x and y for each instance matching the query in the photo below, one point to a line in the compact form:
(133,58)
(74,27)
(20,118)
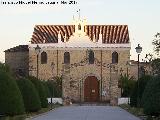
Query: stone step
(91,104)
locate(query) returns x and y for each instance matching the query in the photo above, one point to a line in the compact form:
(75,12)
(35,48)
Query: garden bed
(138,112)
(29,115)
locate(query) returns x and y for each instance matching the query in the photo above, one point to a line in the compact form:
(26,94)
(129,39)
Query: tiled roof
(110,33)
(20,48)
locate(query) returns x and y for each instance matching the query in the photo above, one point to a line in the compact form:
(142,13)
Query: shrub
(41,91)
(151,97)
(127,85)
(51,88)
(11,101)
(142,84)
(133,97)
(4,67)
(55,87)
(47,91)
(30,96)
(138,90)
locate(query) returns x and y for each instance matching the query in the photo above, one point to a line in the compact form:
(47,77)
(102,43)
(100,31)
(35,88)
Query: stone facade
(75,73)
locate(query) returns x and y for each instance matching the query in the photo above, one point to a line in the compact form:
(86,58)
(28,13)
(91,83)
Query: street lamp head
(138,49)
(37,49)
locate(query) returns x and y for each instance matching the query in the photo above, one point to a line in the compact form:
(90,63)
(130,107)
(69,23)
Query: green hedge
(46,89)
(55,86)
(11,101)
(30,96)
(41,91)
(138,90)
(151,97)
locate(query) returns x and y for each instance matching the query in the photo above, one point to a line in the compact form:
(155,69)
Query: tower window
(114,57)
(43,57)
(67,58)
(91,57)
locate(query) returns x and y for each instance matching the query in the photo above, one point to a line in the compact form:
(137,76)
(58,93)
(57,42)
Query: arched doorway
(91,89)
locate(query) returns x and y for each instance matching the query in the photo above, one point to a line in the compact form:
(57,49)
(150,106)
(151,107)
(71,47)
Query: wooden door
(91,89)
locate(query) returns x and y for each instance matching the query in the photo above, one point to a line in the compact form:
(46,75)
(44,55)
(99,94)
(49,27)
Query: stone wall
(79,69)
(18,62)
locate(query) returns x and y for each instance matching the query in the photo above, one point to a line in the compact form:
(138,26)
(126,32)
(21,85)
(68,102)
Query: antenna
(79,15)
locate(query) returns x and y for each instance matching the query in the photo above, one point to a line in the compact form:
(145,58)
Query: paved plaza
(87,113)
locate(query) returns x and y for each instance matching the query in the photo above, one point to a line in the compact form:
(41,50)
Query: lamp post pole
(138,83)
(121,70)
(110,70)
(138,50)
(37,49)
(52,95)
(37,66)
(80,92)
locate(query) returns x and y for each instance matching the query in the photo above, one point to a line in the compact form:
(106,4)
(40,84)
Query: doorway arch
(91,89)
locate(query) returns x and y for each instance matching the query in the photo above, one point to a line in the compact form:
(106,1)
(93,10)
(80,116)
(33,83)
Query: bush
(11,101)
(57,86)
(4,67)
(151,97)
(51,88)
(30,96)
(127,85)
(139,90)
(47,91)
(41,91)
(142,85)
(133,97)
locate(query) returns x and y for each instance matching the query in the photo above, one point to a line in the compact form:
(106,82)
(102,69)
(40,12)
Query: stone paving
(87,113)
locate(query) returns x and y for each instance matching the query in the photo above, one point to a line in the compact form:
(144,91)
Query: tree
(126,83)
(133,97)
(155,66)
(11,101)
(51,88)
(151,97)
(142,84)
(156,43)
(46,89)
(30,96)
(57,86)
(138,90)
(41,91)
(4,67)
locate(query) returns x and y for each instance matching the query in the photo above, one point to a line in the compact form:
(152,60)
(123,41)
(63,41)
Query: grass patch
(138,112)
(17,117)
(133,110)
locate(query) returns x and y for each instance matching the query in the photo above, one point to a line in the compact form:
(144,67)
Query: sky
(142,17)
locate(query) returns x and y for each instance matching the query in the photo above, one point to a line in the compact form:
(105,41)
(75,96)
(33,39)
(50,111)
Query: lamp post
(37,49)
(80,85)
(121,70)
(110,66)
(138,50)
(52,94)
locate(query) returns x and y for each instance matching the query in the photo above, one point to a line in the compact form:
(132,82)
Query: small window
(43,57)
(114,57)
(66,58)
(79,27)
(91,57)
